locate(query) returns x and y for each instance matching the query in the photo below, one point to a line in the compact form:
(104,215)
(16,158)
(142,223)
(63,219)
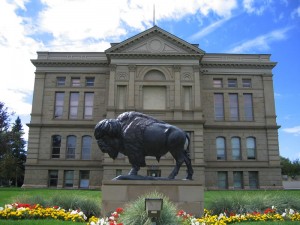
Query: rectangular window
(68,178)
(52,178)
(89,81)
(74,101)
(88,105)
(222,180)
(86,147)
(247,83)
(59,105)
(56,143)
(238,180)
(251,148)
(121,100)
(60,81)
(219,106)
(187,97)
(217,83)
(234,107)
(248,107)
(253,179)
(220,145)
(232,83)
(75,82)
(84,178)
(236,148)
(71,147)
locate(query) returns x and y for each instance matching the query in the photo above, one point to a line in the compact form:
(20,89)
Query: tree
(292,169)
(12,149)
(4,126)
(17,150)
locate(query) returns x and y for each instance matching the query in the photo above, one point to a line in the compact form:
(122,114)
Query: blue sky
(218,26)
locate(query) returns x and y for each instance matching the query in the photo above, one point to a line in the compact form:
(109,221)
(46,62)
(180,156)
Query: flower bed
(269,214)
(18,211)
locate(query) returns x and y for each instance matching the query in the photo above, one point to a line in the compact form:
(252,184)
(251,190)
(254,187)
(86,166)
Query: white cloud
(296,12)
(256,7)
(293,130)
(207,30)
(262,42)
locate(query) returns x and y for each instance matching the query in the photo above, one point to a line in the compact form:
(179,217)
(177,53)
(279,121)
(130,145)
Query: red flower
(119,210)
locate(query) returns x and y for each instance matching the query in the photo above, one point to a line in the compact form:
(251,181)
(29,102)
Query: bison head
(109,137)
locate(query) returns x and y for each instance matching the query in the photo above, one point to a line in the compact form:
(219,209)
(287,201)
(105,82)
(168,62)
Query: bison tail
(108,127)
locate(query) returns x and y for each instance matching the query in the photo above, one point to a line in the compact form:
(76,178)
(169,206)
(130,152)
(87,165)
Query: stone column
(132,70)
(177,93)
(111,92)
(197,93)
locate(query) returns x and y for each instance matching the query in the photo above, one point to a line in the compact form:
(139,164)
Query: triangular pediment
(155,41)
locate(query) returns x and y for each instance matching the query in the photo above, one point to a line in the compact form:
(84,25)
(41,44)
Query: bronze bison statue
(137,135)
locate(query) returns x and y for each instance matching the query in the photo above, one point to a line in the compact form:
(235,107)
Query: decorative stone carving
(186,76)
(122,76)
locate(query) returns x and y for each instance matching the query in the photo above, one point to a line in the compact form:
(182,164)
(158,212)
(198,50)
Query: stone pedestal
(185,194)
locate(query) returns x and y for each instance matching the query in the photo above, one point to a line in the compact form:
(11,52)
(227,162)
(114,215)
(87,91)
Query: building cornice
(62,63)
(242,65)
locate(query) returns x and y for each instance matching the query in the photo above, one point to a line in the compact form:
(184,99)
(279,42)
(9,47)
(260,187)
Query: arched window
(220,146)
(71,147)
(236,148)
(154,75)
(86,147)
(251,148)
(56,144)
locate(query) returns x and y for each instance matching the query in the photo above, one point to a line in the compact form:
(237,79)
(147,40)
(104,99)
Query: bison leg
(188,164)
(175,170)
(134,170)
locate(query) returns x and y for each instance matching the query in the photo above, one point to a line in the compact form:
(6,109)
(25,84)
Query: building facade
(225,102)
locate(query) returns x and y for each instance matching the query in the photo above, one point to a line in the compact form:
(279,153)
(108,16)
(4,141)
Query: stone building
(224,101)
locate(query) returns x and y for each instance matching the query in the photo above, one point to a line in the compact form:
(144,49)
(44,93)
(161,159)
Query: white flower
(220,216)
(291,212)
(8,206)
(283,214)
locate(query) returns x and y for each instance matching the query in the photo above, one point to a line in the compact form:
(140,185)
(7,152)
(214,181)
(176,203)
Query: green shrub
(88,206)
(135,213)
(243,203)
